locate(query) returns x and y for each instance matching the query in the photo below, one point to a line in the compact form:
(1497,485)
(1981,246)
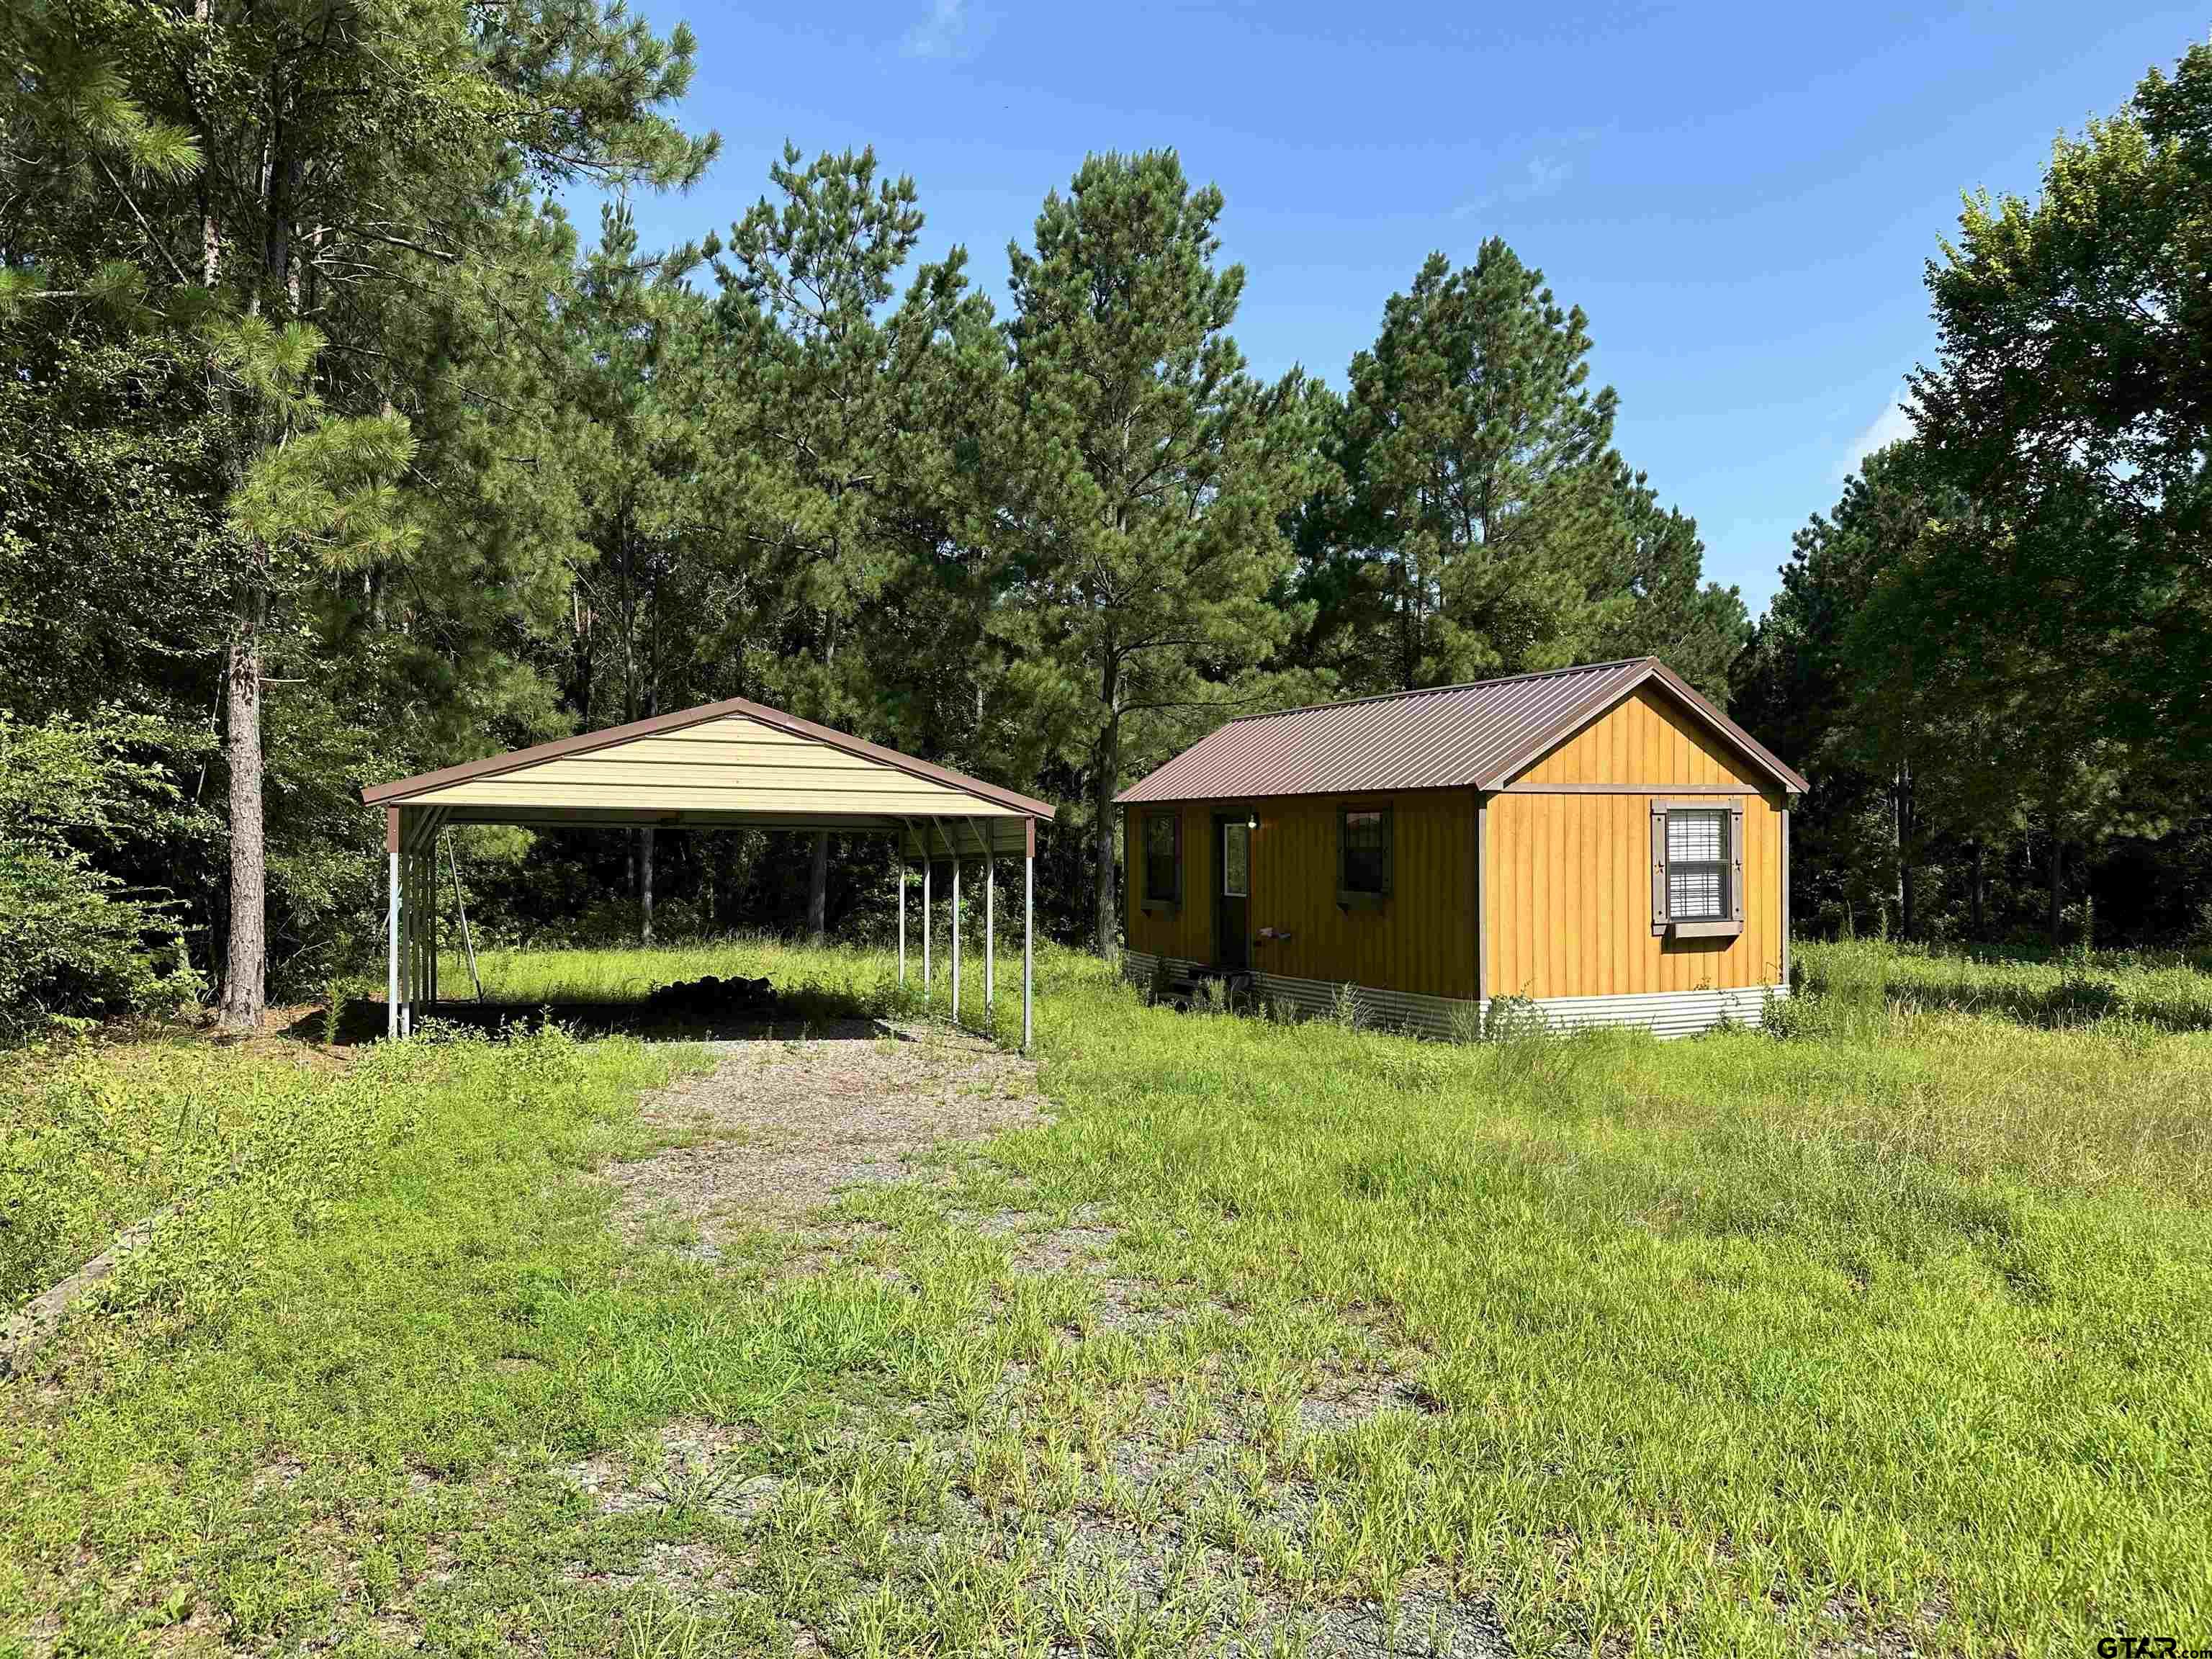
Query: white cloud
(1547,174)
(1541,175)
(942,34)
(1893,425)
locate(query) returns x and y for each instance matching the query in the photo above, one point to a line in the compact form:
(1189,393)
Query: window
(1363,855)
(1697,866)
(1235,860)
(1163,859)
(1697,869)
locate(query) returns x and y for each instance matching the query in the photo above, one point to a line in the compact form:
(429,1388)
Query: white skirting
(1663,1013)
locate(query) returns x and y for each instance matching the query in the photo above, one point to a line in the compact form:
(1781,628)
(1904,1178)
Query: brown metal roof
(1473,736)
(401,789)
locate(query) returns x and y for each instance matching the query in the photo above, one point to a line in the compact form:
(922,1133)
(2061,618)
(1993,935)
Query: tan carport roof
(730,763)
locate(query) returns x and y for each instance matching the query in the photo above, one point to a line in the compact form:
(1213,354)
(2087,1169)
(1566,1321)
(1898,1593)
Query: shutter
(1658,869)
(1735,856)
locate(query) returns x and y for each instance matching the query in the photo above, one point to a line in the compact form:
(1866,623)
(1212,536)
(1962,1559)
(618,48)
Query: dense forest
(332,450)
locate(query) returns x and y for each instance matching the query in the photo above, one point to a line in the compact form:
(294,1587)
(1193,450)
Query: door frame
(1221,818)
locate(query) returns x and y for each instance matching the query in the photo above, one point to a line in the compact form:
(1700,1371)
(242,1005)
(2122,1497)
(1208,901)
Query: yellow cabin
(1600,842)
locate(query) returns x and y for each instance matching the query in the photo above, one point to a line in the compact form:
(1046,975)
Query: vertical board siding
(1646,739)
(1184,932)
(1590,935)
(1571,914)
(1421,940)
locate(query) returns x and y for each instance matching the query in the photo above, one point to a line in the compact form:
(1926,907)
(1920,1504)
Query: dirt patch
(779,1128)
(686,1568)
(1870,1635)
(1422,1622)
(1104,1576)
(1084,1242)
(1352,1401)
(690,1464)
(393,1630)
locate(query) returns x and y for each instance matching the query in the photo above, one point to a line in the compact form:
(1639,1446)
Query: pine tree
(1476,460)
(638,330)
(2071,405)
(286,184)
(833,432)
(1153,474)
(1651,600)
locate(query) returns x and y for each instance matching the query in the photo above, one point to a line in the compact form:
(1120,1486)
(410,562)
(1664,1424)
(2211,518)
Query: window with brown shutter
(1696,868)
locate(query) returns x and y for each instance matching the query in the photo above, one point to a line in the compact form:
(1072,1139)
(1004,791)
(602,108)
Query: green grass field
(1887,1334)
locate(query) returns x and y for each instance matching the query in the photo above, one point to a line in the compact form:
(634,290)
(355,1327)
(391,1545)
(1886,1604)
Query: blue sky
(1740,197)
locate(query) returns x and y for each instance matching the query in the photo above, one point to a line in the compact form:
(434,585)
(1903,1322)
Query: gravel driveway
(779,1127)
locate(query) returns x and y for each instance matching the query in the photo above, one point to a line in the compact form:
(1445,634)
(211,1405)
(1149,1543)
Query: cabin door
(1232,893)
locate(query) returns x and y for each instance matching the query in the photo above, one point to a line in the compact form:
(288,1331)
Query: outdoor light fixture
(1251,820)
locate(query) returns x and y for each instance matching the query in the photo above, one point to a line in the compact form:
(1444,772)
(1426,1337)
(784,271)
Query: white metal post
(418,984)
(990,937)
(928,985)
(430,922)
(1029,924)
(418,981)
(408,966)
(902,887)
(956,929)
(391,933)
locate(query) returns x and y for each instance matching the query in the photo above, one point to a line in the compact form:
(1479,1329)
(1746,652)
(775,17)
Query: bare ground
(779,1128)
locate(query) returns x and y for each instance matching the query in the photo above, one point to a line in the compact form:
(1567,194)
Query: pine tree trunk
(243,988)
(818,890)
(210,233)
(1106,766)
(645,885)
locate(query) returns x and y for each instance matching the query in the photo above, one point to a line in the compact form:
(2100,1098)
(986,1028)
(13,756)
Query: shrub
(1163,979)
(1344,1010)
(75,945)
(1515,1020)
(1785,1018)
(73,949)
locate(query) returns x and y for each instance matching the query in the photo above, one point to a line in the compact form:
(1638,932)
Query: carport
(723,765)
